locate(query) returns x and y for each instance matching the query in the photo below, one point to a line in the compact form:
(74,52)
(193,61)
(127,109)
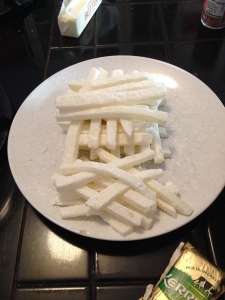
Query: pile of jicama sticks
(117,118)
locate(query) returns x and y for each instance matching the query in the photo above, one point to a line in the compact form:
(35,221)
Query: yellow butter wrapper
(191,276)
(75,15)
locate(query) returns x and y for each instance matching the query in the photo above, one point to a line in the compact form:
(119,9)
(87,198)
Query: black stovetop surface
(38,259)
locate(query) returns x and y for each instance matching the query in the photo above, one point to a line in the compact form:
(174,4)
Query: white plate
(196,129)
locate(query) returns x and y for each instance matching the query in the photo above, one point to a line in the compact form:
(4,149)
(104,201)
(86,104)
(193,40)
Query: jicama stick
(106,196)
(160,190)
(68,195)
(94,133)
(63,183)
(125,214)
(139,202)
(82,210)
(150,174)
(88,100)
(111,134)
(117,225)
(146,222)
(156,142)
(125,162)
(135,199)
(112,191)
(92,76)
(116,152)
(76,211)
(172,187)
(119,139)
(166,152)
(170,197)
(93,154)
(137,127)
(103,73)
(119,211)
(118,111)
(118,80)
(115,172)
(128,126)
(166,207)
(132,198)
(76,85)
(117,72)
(131,86)
(156,145)
(162,132)
(72,141)
(57,202)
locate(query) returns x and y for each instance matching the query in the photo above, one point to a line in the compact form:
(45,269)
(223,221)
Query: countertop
(40,260)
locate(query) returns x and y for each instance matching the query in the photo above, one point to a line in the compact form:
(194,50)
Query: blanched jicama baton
(94,133)
(118,111)
(72,142)
(163,193)
(113,116)
(118,80)
(88,100)
(115,172)
(111,139)
(123,163)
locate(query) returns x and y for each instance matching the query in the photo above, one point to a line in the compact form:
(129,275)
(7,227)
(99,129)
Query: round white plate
(196,128)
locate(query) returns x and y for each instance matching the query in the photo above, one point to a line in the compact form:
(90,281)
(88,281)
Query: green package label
(189,276)
(178,284)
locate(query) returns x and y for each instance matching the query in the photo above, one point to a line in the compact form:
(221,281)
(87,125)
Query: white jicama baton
(118,119)
(126,162)
(82,210)
(124,213)
(111,140)
(131,86)
(112,191)
(119,111)
(88,100)
(119,226)
(128,126)
(156,145)
(115,172)
(139,202)
(118,80)
(170,198)
(94,133)
(117,210)
(160,190)
(131,197)
(123,163)
(63,183)
(72,141)
(166,207)
(111,137)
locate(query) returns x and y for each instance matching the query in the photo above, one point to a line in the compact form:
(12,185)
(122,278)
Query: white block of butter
(75,15)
